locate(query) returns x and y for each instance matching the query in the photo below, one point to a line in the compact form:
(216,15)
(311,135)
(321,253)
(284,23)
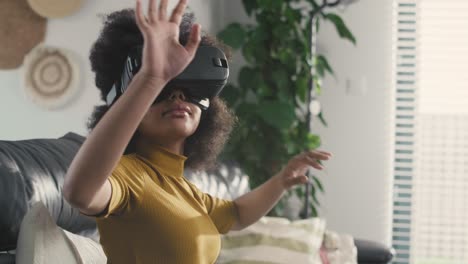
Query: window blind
(430,216)
(405,76)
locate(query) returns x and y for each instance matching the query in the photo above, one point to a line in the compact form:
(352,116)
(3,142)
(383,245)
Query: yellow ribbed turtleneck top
(156,215)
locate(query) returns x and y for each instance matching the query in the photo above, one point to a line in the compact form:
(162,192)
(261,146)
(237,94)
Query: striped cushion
(274,240)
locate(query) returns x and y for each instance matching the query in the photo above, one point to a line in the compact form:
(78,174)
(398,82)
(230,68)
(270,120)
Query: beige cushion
(274,240)
(340,248)
(41,241)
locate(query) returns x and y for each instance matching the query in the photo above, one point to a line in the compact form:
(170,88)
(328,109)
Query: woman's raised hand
(294,172)
(163,56)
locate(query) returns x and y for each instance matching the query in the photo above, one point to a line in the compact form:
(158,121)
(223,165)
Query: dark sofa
(33,170)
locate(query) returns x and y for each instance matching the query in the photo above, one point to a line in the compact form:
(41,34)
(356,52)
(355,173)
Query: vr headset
(202,79)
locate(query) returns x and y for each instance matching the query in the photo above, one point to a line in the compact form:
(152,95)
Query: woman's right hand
(163,56)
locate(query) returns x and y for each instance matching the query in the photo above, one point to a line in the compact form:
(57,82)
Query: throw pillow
(340,248)
(274,240)
(41,241)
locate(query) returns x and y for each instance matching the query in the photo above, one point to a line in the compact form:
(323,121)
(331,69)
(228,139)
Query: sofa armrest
(6,258)
(370,252)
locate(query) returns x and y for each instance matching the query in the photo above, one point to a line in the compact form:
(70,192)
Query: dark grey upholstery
(33,170)
(6,258)
(370,252)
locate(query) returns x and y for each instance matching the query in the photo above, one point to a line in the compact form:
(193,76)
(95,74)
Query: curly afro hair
(108,54)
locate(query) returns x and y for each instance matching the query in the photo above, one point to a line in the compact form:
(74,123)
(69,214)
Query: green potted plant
(274,88)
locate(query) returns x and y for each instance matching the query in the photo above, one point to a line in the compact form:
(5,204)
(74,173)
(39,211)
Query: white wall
(22,119)
(358,181)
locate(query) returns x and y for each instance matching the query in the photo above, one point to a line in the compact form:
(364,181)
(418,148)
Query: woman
(129,171)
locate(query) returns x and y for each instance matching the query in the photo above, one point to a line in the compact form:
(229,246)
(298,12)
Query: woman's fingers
(325,152)
(320,155)
(163,10)
(296,168)
(310,159)
(301,162)
(194,40)
(178,11)
(152,11)
(155,13)
(140,17)
(313,163)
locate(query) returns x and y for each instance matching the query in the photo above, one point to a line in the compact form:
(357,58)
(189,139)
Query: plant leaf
(341,27)
(281,79)
(317,85)
(277,114)
(254,47)
(323,66)
(318,184)
(230,94)
(249,6)
(314,212)
(313,141)
(293,15)
(246,77)
(300,192)
(302,87)
(322,119)
(233,35)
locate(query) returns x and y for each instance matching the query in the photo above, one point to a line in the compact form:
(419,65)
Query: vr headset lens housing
(201,80)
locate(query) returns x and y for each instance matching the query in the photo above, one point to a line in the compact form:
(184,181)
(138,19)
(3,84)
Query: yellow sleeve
(127,182)
(223,212)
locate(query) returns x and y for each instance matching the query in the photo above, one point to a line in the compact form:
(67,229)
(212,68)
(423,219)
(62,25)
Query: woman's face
(170,119)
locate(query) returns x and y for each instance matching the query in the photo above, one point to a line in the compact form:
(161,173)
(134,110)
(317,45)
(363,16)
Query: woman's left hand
(294,172)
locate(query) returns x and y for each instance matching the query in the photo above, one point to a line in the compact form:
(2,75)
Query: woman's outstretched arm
(257,203)
(86,185)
